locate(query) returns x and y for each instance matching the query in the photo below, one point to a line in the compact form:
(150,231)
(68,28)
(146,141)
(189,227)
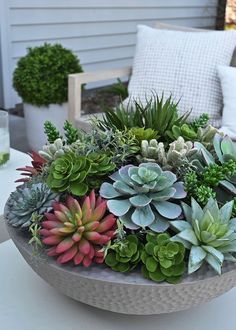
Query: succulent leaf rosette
(162,259)
(68,173)
(124,255)
(140,196)
(77,231)
(209,233)
(115,196)
(28,198)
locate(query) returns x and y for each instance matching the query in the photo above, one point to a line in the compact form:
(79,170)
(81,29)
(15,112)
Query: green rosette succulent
(144,134)
(140,196)
(162,259)
(29,198)
(101,165)
(124,255)
(69,173)
(209,233)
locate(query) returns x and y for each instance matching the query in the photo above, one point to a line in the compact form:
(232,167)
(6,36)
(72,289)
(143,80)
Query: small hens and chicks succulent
(144,188)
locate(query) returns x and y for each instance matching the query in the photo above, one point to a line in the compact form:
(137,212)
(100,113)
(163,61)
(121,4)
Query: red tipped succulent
(77,231)
(37,164)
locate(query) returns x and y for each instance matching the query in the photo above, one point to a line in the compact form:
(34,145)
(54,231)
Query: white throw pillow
(183,64)
(227,76)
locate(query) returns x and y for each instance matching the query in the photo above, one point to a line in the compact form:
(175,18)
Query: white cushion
(183,64)
(227,76)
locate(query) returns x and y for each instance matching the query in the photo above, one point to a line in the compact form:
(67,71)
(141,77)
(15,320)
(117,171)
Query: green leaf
(143,217)
(215,253)
(140,200)
(78,189)
(110,259)
(151,264)
(167,209)
(119,207)
(188,235)
(213,262)
(196,258)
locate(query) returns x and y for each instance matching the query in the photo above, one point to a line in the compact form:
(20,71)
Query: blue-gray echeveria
(140,196)
(25,200)
(209,233)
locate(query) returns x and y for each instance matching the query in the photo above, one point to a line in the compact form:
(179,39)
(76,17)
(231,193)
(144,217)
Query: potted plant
(136,216)
(41,80)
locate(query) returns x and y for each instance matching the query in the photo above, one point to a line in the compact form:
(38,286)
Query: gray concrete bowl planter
(100,287)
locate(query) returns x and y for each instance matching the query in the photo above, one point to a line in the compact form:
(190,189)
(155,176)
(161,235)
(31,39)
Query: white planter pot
(35,118)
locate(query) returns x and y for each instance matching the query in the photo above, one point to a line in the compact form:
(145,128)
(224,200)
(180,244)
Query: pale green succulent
(27,199)
(153,152)
(177,154)
(140,196)
(52,151)
(209,234)
(206,135)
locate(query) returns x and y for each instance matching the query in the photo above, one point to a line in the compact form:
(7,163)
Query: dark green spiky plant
(158,114)
(51,132)
(119,88)
(71,133)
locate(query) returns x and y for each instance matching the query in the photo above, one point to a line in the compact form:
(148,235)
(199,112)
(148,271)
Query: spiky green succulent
(209,233)
(124,255)
(29,198)
(162,259)
(140,196)
(52,151)
(51,132)
(71,133)
(69,173)
(158,113)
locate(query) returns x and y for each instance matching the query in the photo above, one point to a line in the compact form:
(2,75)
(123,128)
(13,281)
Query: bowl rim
(21,243)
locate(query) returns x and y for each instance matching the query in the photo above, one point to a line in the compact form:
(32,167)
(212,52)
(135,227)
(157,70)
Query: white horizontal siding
(102,33)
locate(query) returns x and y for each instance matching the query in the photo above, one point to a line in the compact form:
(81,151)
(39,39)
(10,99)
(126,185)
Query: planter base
(100,287)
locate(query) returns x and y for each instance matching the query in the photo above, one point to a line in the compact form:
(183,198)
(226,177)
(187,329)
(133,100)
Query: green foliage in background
(41,76)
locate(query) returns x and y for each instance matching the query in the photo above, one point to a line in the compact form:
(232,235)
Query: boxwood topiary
(41,76)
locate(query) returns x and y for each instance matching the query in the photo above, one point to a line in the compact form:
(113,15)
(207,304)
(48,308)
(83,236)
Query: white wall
(100,32)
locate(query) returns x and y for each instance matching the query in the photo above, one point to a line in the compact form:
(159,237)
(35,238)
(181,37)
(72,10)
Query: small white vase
(35,118)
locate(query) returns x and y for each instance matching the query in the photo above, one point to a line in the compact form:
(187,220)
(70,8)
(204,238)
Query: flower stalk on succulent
(209,233)
(141,196)
(78,231)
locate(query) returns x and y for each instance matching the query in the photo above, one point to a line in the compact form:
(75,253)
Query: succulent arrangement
(145,190)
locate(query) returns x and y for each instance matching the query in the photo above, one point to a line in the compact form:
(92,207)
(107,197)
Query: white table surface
(8,174)
(29,303)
